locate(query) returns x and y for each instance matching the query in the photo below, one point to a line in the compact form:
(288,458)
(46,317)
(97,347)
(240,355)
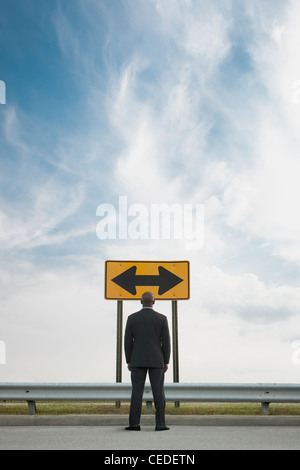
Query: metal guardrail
(264,393)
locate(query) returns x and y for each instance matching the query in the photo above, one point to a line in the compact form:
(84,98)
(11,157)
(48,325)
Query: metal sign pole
(175,345)
(119,345)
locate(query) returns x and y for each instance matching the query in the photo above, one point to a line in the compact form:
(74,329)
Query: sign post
(128,280)
(175,344)
(119,345)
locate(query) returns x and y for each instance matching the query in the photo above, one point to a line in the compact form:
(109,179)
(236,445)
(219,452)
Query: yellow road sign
(128,280)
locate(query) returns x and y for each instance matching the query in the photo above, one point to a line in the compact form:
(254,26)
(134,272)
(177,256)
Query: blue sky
(162,101)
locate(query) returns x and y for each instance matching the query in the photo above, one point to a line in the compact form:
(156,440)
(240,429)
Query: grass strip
(94,408)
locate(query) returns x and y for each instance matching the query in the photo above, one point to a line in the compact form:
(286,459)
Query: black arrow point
(167,280)
(126,280)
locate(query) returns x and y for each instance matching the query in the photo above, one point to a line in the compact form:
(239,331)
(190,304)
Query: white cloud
(263,200)
(56,325)
(247,296)
(12,130)
(47,207)
(197,27)
(162,123)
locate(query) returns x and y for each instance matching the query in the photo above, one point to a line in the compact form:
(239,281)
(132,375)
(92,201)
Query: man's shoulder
(161,315)
(134,315)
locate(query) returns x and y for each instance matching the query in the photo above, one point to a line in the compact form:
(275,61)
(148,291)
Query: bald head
(147,299)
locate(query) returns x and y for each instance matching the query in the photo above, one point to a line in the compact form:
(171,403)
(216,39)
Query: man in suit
(147,349)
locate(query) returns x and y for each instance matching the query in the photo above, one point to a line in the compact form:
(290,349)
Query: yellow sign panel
(128,280)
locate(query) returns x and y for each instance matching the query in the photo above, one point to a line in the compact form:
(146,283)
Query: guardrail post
(265,407)
(149,409)
(31,407)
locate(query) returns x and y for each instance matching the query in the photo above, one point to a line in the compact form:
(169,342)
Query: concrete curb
(172,420)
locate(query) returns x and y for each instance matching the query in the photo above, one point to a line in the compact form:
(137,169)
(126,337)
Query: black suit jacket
(147,339)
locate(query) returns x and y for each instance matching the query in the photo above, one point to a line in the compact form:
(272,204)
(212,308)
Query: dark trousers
(138,378)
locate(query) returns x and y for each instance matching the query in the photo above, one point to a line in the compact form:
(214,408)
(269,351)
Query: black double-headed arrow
(128,280)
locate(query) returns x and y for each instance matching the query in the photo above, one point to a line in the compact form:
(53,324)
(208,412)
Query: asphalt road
(178,438)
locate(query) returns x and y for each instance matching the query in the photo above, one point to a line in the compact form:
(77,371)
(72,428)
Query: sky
(186,102)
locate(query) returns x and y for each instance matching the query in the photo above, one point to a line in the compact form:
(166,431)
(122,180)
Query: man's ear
(153,302)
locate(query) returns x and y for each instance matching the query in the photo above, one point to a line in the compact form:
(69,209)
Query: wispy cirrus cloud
(263,201)
(33,224)
(160,104)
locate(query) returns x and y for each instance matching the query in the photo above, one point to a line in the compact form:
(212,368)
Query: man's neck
(147,306)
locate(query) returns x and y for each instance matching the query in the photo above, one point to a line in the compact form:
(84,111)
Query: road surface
(178,438)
